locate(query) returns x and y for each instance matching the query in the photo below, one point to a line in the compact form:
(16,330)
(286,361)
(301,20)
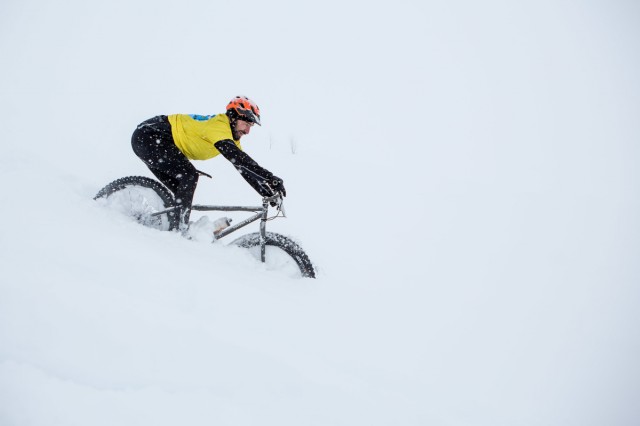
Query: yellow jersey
(195,135)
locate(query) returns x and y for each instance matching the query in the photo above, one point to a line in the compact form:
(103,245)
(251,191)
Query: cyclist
(167,143)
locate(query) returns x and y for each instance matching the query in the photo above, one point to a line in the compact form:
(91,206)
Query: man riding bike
(167,143)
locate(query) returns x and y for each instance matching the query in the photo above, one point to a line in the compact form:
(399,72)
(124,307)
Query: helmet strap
(233,121)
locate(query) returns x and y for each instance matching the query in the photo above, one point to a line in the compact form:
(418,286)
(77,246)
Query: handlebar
(276,198)
(276,201)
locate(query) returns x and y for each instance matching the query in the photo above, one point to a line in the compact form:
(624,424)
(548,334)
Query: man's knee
(187,183)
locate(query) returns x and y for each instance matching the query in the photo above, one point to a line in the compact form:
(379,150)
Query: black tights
(153,143)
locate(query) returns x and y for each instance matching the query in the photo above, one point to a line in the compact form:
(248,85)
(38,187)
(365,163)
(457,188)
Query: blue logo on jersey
(201,117)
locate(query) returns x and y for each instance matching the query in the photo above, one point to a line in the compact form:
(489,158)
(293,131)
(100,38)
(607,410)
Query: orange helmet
(245,109)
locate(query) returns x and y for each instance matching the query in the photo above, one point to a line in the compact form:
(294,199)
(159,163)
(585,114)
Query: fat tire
(145,182)
(286,244)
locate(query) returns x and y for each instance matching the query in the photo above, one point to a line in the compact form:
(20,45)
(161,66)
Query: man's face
(241,128)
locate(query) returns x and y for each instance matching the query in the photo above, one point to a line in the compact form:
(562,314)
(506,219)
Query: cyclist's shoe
(220,224)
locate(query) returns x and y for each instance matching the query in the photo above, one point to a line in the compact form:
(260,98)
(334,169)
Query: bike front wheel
(282,253)
(139,197)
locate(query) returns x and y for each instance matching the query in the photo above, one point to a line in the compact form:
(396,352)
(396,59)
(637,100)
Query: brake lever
(277,201)
(281,206)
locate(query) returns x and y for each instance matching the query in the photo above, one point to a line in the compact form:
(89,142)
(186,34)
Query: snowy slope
(463,175)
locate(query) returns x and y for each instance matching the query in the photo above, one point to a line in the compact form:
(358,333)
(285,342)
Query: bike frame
(261,213)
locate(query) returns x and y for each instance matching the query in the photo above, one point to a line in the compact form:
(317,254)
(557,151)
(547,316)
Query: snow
(464,175)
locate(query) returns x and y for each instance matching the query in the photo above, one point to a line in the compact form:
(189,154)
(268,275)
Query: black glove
(278,185)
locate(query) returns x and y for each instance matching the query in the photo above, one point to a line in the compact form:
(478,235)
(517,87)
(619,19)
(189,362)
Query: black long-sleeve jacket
(258,177)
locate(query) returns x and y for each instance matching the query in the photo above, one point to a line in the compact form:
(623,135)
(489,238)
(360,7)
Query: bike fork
(263,231)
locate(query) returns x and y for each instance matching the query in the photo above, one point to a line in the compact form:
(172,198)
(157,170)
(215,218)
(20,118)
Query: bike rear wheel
(139,197)
(282,252)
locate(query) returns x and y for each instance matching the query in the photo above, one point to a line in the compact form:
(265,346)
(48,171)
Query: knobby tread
(286,244)
(145,182)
